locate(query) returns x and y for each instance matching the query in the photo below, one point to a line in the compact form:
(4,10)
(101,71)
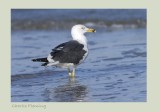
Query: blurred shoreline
(63,25)
(65,18)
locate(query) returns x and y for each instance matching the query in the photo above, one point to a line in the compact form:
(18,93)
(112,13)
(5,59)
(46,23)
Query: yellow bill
(91,30)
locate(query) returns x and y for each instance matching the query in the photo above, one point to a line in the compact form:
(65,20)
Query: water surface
(114,71)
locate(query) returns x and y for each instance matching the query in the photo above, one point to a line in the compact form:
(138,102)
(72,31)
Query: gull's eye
(83,28)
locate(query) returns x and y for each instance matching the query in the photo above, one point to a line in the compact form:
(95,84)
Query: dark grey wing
(69,52)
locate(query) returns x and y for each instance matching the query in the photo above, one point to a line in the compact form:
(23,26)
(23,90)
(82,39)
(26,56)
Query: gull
(69,54)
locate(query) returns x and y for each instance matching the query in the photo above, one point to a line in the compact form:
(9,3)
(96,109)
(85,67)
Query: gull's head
(81,29)
(78,32)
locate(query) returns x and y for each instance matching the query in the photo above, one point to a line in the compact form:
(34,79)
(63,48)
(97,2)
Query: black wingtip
(40,60)
(33,59)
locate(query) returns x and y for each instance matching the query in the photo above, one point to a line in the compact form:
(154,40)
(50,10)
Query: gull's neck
(81,38)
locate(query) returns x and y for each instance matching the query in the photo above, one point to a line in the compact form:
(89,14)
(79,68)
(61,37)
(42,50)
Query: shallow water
(114,71)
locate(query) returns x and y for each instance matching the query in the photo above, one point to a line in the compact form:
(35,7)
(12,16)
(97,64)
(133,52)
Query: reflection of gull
(71,53)
(70,92)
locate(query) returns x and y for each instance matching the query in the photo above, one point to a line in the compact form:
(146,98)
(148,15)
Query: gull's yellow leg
(73,72)
(69,72)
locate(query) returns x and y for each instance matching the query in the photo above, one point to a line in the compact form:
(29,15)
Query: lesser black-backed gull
(69,54)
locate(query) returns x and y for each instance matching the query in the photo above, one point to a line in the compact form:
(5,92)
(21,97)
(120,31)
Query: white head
(78,32)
